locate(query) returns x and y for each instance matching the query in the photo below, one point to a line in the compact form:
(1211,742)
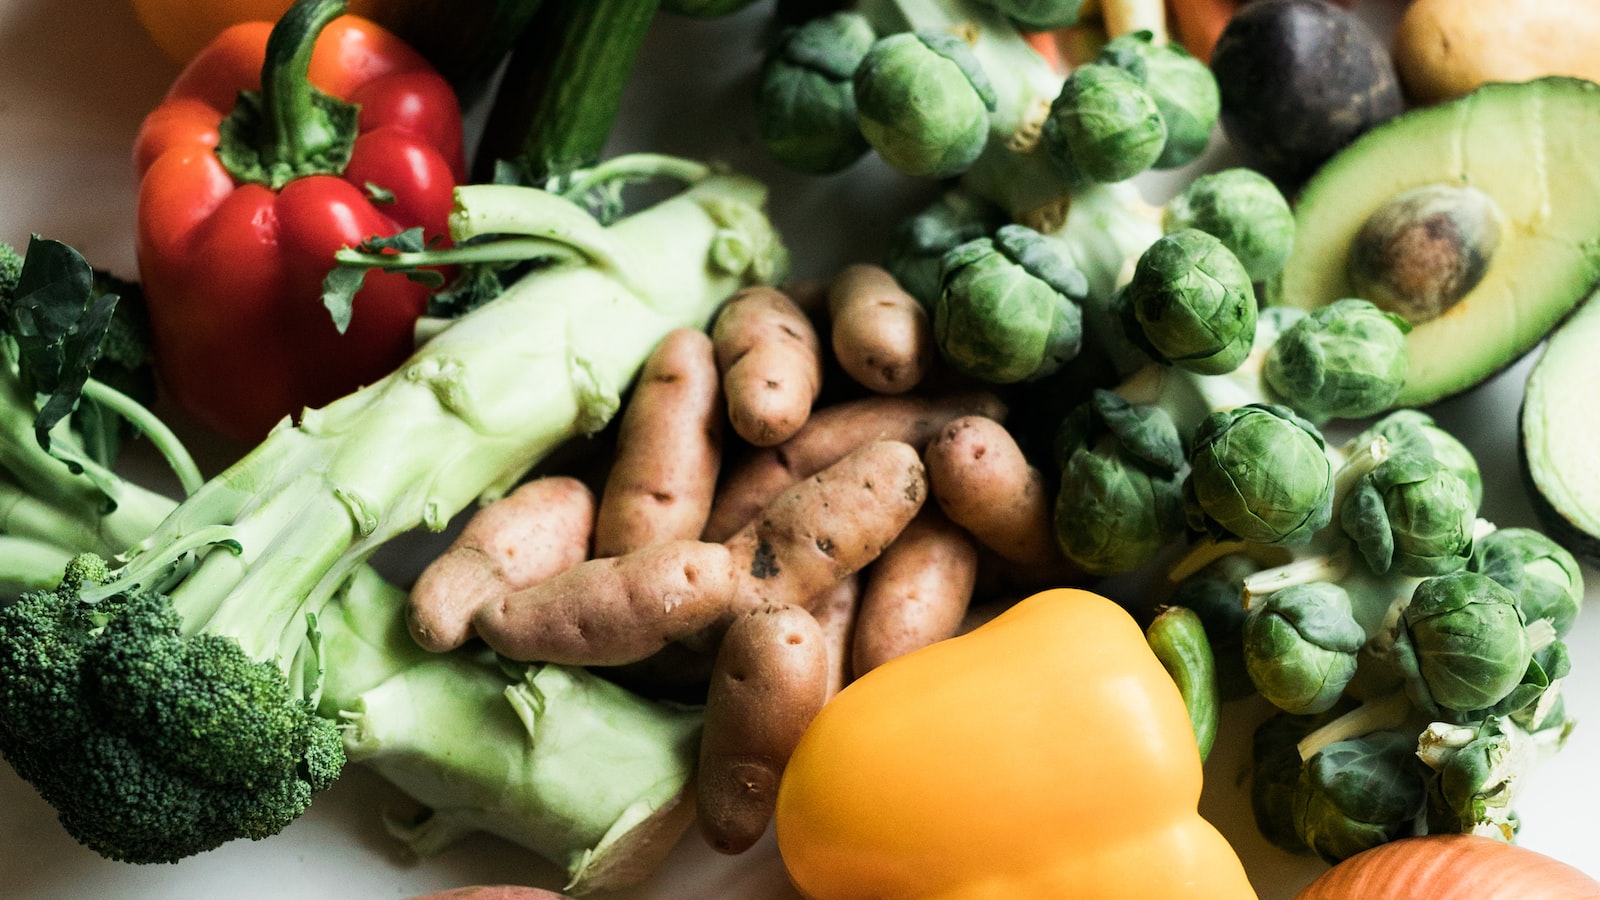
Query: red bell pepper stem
(296,132)
(290,129)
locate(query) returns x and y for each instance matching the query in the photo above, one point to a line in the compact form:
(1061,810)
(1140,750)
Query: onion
(1451,867)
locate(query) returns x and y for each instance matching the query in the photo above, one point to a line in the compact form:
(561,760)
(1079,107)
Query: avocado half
(1559,440)
(1529,146)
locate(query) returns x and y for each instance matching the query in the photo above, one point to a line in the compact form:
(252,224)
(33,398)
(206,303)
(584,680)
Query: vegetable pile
(725,549)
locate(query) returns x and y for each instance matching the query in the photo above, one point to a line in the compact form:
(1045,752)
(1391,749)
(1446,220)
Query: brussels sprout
(1461,643)
(923,102)
(1300,646)
(1104,125)
(1359,793)
(1411,514)
(1261,473)
(1008,307)
(1346,360)
(1215,593)
(1542,574)
(1038,15)
(1476,769)
(1182,86)
(1275,776)
(917,247)
(1414,431)
(1550,664)
(1190,303)
(1243,209)
(805,100)
(1120,500)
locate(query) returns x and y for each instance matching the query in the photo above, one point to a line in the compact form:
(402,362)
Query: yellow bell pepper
(1045,754)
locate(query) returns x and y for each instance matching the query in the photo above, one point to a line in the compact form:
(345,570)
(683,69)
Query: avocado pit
(1420,253)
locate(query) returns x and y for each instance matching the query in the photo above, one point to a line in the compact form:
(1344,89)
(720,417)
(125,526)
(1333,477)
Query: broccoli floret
(10,270)
(152,744)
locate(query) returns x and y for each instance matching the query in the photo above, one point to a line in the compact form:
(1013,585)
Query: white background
(76,76)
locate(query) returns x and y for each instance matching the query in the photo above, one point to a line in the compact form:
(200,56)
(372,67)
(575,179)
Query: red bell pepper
(275,146)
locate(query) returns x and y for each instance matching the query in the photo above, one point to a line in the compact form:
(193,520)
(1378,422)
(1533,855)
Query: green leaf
(58,322)
(340,285)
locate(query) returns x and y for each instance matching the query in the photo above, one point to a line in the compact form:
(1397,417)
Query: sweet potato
(882,336)
(669,448)
(770,361)
(770,679)
(831,433)
(915,593)
(533,533)
(980,478)
(494,892)
(822,530)
(614,610)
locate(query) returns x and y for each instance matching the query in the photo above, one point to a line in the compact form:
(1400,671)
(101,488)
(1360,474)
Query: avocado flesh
(1530,147)
(1560,434)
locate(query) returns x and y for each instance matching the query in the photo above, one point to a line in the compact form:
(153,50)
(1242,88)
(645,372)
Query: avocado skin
(1298,81)
(1527,146)
(1582,544)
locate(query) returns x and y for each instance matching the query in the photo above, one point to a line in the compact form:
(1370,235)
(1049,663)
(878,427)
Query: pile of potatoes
(763,528)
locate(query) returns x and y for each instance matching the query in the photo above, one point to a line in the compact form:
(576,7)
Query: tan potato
(770,360)
(836,611)
(915,593)
(533,533)
(615,610)
(1446,48)
(831,433)
(669,447)
(826,528)
(770,679)
(882,336)
(980,478)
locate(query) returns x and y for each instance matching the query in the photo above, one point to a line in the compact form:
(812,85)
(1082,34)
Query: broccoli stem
(550,757)
(28,564)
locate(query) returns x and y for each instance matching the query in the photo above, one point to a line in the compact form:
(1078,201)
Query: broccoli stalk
(189,695)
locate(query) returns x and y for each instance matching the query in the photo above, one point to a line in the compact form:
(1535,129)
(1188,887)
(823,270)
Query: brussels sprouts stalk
(1388,713)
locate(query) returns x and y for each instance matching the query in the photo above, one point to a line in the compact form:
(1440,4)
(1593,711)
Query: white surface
(76,76)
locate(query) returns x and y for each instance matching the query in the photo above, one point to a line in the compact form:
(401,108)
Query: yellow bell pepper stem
(1045,754)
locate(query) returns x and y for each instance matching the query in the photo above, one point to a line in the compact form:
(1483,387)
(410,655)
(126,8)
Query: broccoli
(153,744)
(10,269)
(229,651)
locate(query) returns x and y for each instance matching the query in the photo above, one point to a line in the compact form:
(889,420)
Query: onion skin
(1451,867)
(494,892)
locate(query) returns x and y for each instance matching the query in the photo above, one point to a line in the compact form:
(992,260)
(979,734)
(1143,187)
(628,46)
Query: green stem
(290,129)
(27,564)
(294,131)
(1375,715)
(150,425)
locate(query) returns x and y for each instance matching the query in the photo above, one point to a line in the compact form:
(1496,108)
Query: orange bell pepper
(1045,754)
(181,27)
